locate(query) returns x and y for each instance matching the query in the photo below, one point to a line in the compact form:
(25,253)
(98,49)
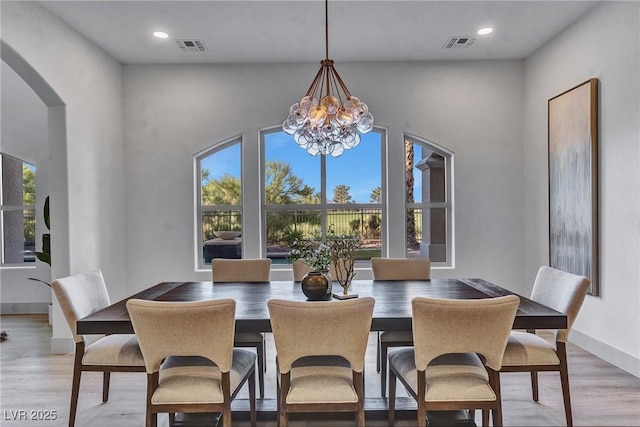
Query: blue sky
(358,168)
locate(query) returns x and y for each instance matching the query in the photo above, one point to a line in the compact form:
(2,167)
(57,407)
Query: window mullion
(323,194)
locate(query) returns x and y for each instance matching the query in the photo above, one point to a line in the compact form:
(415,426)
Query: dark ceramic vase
(315,285)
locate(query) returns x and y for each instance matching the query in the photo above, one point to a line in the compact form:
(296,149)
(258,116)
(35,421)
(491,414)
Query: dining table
(392,312)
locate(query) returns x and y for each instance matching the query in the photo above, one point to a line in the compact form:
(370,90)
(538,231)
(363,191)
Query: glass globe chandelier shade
(328,119)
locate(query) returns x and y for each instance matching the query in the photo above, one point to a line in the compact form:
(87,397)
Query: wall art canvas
(573,181)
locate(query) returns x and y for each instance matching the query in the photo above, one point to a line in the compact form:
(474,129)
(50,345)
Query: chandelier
(328,119)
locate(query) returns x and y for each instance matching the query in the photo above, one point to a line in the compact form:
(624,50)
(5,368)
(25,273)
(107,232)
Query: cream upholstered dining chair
(79,296)
(185,372)
(320,348)
(396,269)
(528,352)
(456,358)
(246,270)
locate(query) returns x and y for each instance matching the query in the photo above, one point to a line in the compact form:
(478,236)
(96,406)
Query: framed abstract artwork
(573,182)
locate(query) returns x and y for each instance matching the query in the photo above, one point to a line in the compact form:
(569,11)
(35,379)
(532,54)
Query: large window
(307,195)
(219,202)
(428,201)
(17,209)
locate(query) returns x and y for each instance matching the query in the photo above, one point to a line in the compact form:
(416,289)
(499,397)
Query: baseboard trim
(24,307)
(606,352)
(62,345)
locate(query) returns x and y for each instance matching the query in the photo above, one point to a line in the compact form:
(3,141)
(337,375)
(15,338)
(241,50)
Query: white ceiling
(293,31)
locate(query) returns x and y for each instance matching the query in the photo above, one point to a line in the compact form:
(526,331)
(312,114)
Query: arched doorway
(58,183)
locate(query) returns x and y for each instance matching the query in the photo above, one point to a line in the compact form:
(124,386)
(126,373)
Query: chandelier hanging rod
(326,29)
(328,119)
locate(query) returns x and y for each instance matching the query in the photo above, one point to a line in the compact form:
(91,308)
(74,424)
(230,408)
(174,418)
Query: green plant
(289,236)
(45,254)
(373,225)
(354,224)
(315,252)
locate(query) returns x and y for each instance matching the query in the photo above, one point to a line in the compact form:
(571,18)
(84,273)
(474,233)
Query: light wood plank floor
(33,379)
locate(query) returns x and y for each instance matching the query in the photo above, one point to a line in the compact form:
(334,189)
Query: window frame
(323,206)
(448,204)
(15,208)
(200,209)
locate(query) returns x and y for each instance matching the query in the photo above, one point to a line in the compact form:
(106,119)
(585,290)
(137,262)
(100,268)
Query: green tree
(341,194)
(29,186)
(376,195)
(354,225)
(412,240)
(373,226)
(283,187)
(223,191)
(29,198)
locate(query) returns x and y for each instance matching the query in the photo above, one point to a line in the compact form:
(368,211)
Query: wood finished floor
(33,379)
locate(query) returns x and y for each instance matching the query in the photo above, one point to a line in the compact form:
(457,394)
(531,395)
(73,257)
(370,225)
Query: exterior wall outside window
(429,201)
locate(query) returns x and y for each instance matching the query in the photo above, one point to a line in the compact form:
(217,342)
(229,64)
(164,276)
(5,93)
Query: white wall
(90,83)
(471,108)
(24,135)
(604,44)
(131,205)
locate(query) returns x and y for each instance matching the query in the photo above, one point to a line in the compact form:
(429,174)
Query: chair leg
(151,418)
(264,350)
(496,412)
(534,376)
(75,383)
(172,418)
(226,398)
(261,368)
(383,369)
(392,397)
(358,379)
(378,361)
(534,385)
(561,350)
(421,399)
(252,398)
(485,418)
(106,376)
(226,415)
(285,383)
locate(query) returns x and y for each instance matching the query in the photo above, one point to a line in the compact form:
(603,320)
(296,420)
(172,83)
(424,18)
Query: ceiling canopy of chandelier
(328,119)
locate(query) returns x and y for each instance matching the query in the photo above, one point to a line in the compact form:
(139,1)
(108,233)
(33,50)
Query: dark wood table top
(392,310)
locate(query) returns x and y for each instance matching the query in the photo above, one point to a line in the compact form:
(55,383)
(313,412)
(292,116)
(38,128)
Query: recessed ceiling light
(484,31)
(160,34)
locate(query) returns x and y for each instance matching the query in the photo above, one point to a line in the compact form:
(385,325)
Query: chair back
(561,291)
(321,328)
(240,270)
(79,296)
(401,268)
(443,326)
(201,328)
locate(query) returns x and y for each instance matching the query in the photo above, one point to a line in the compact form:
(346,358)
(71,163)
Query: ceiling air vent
(191,45)
(458,42)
